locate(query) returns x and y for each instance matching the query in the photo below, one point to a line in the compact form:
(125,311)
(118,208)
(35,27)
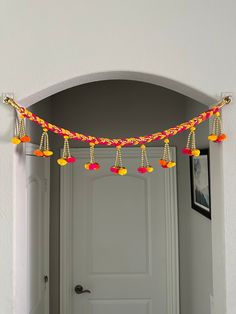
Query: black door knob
(80,289)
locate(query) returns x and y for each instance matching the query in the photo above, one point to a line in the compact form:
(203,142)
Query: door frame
(171,224)
(29,148)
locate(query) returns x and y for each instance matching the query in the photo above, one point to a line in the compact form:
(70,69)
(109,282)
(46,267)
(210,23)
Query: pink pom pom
(94,166)
(71,159)
(187,151)
(142,169)
(114,169)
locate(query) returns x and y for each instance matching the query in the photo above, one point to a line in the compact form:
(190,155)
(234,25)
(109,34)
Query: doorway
(142,108)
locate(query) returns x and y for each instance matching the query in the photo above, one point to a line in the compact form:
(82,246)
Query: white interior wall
(121,108)
(185,45)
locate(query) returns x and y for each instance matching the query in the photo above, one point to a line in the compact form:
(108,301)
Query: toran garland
(118,168)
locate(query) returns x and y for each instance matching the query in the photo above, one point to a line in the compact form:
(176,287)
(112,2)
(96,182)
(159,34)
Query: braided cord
(130,141)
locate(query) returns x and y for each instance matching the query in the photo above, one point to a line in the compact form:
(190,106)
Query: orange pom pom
(38,153)
(222,137)
(47,153)
(61,161)
(162,162)
(25,139)
(212,137)
(15,140)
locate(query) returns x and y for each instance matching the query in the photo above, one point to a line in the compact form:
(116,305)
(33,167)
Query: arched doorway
(97,77)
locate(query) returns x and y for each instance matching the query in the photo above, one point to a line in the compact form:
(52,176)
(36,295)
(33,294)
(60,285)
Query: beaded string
(216,134)
(66,148)
(118,167)
(20,135)
(66,155)
(92,165)
(120,162)
(44,150)
(193,151)
(145,166)
(166,161)
(92,158)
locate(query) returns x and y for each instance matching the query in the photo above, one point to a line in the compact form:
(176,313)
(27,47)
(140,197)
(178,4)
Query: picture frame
(200,183)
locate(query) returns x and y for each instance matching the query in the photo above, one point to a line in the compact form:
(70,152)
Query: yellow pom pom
(86,166)
(15,140)
(196,152)
(142,146)
(212,137)
(66,137)
(61,161)
(150,169)
(45,130)
(166,140)
(217,114)
(171,164)
(192,128)
(122,171)
(47,153)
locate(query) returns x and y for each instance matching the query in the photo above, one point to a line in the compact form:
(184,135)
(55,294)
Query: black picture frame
(200,183)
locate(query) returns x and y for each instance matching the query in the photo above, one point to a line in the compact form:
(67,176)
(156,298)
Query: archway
(169,83)
(190,92)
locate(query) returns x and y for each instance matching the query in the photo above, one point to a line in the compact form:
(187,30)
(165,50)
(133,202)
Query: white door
(38,175)
(119,237)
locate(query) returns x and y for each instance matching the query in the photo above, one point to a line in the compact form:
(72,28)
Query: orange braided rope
(129,141)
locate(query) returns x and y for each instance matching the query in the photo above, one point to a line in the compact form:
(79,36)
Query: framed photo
(200,183)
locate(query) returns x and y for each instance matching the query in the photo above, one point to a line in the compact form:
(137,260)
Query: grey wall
(126,108)
(194,235)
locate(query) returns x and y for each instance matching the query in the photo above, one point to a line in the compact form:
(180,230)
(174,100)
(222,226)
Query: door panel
(120,306)
(113,246)
(118,242)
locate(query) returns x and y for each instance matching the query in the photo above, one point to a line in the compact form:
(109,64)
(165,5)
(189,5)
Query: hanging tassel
(44,150)
(20,135)
(118,166)
(92,165)
(216,134)
(166,161)
(190,148)
(145,166)
(66,155)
